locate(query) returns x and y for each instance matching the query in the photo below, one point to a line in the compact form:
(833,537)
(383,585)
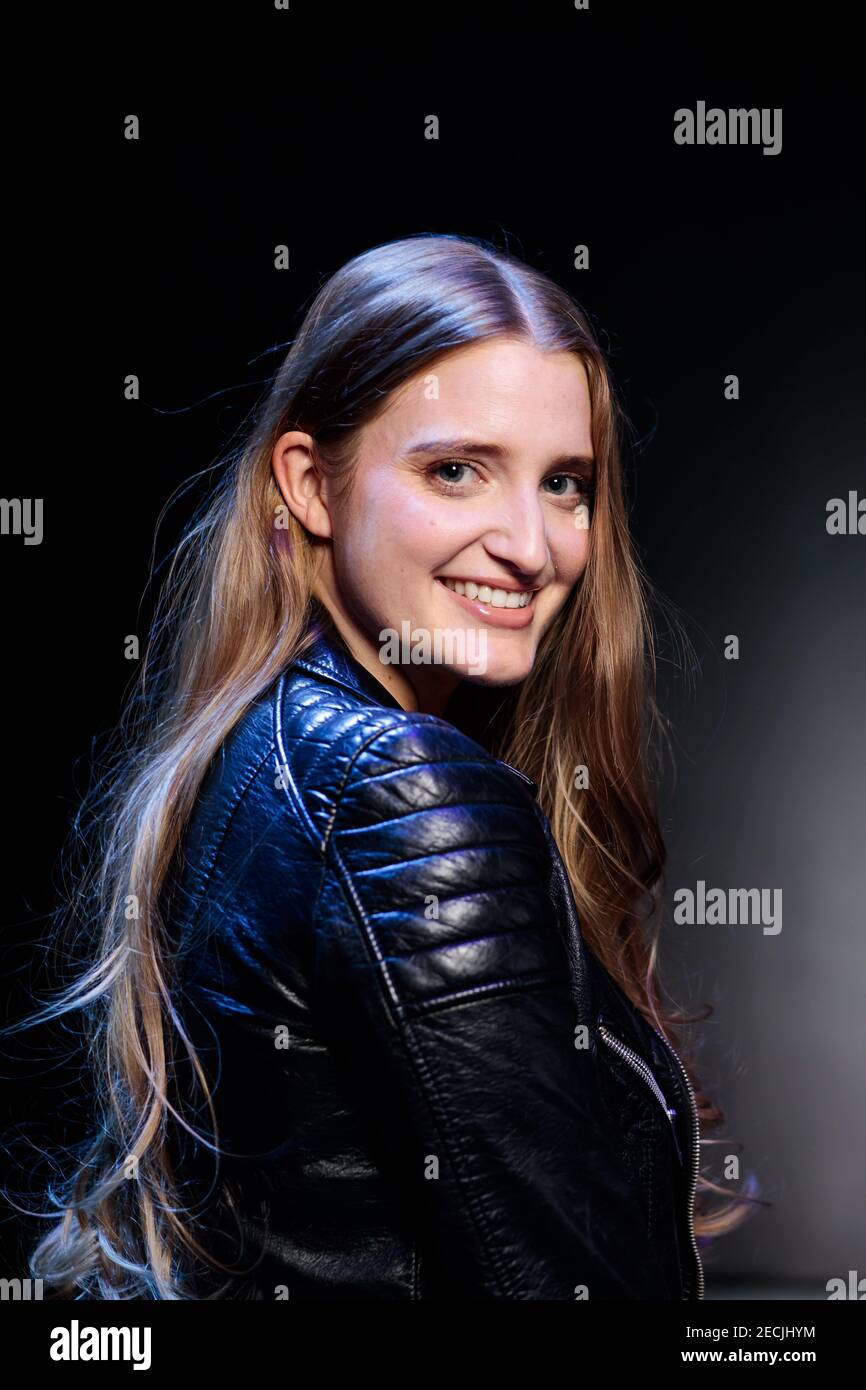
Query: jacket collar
(329,658)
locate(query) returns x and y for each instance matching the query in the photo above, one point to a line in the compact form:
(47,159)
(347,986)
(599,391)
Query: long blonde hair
(234,612)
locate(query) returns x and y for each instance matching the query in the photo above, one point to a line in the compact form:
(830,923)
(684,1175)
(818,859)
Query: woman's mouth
(495,605)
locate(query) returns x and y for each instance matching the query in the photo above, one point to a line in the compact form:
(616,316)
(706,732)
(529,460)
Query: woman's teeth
(497,598)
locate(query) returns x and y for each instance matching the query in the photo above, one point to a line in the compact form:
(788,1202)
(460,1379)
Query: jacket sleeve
(443,975)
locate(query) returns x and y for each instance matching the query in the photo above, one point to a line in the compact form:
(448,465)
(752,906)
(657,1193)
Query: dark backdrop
(260,128)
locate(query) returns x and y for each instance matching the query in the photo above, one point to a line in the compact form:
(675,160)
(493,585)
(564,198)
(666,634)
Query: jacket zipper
(696,1159)
(638,1065)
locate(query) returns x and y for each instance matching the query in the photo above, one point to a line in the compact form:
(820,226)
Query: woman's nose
(519,536)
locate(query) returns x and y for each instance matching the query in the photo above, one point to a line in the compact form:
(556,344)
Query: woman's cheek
(572,546)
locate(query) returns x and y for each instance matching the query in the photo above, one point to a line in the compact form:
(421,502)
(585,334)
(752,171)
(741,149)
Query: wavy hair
(233,612)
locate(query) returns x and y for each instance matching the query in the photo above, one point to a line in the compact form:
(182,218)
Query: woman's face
(473,474)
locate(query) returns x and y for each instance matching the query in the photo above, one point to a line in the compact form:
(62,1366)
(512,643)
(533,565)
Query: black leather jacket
(428,1087)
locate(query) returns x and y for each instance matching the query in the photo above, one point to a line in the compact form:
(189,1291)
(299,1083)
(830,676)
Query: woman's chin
(498,672)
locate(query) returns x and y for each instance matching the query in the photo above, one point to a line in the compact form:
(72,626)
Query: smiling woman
(504,524)
(373,1006)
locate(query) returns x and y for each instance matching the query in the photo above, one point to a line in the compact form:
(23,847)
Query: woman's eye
(452,475)
(451,471)
(561,482)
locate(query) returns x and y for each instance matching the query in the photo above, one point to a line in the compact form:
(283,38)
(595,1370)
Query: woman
(375,1005)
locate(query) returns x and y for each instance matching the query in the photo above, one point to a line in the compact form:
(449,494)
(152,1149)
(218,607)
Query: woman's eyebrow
(469,446)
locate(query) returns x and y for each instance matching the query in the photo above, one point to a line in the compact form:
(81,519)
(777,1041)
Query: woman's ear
(300,482)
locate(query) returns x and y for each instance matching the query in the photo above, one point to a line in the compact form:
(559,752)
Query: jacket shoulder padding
(440,854)
(318,731)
